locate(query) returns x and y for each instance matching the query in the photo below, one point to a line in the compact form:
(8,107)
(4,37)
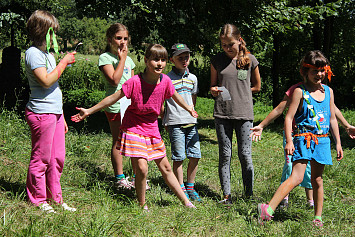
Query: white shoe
(67,208)
(46,208)
(146,185)
(123,183)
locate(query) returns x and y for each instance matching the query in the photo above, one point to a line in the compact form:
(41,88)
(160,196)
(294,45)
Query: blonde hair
(38,24)
(231,31)
(111,32)
(156,51)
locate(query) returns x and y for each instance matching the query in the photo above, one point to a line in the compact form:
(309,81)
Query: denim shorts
(185,142)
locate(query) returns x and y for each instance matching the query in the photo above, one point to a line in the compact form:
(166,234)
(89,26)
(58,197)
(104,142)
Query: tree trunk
(328,29)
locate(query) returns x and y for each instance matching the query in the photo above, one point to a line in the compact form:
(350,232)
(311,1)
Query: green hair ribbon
(48,40)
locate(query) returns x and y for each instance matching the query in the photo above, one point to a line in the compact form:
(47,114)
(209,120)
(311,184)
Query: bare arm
(109,100)
(113,76)
(349,128)
(48,79)
(180,101)
(214,87)
(294,104)
(255,80)
(194,98)
(274,114)
(334,127)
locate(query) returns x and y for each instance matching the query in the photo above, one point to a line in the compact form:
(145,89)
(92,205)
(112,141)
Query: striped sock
(120,176)
(183,187)
(190,186)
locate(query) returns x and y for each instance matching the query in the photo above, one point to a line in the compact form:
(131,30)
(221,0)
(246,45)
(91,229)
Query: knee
(317,181)
(142,170)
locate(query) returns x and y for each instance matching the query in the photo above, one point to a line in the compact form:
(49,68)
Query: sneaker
(227,200)
(123,183)
(67,208)
(310,204)
(46,208)
(263,216)
(190,205)
(317,223)
(146,186)
(145,208)
(284,204)
(194,195)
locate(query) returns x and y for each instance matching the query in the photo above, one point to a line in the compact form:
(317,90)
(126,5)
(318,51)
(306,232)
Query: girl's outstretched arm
(294,104)
(180,101)
(48,79)
(334,129)
(349,128)
(109,100)
(274,114)
(255,80)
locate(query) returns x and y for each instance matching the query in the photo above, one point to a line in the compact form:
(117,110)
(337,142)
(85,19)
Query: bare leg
(192,170)
(170,179)
(141,178)
(317,184)
(116,157)
(285,188)
(309,193)
(179,173)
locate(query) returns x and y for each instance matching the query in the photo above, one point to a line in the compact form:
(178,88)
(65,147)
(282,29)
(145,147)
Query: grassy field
(103,211)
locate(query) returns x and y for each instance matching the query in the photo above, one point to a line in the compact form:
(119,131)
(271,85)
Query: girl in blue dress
(312,107)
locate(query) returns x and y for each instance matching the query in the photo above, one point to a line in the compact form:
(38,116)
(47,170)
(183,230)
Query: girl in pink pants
(44,113)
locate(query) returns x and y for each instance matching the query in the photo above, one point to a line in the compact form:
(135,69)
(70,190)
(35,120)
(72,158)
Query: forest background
(278,33)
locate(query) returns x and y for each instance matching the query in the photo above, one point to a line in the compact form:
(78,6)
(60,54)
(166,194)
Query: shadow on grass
(15,188)
(202,189)
(107,182)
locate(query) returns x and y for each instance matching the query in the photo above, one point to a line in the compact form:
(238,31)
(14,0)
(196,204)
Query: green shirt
(109,58)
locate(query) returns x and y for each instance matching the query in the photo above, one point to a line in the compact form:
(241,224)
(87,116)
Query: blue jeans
(185,142)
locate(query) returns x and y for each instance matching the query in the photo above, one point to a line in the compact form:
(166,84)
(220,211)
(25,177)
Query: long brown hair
(229,30)
(38,25)
(156,51)
(111,32)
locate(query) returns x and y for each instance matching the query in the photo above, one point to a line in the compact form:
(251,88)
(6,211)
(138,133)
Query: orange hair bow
(327,69)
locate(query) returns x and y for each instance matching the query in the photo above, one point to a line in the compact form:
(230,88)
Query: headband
(48,40)
(327,69)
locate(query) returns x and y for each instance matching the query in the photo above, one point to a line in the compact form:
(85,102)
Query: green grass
(103,211)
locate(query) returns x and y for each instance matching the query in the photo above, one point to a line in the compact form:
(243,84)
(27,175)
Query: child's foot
(284,204)
(317,223)
(263,215)
(190,205)
(146,185)
(310,204)
(123,183)
(46,208)
(227,200)
(193,195)
(67,208)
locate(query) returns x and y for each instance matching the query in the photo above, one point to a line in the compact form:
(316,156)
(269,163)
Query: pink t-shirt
(290,90)
(141,117)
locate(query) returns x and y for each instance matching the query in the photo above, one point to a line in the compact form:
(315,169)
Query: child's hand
(351,132)
(122,53)
(69,58)
(66,129)
(339,152)
(80,116)
(192,111)
(256,133)
(214,91)
(289,148)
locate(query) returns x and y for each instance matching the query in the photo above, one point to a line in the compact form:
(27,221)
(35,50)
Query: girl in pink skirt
(140,137)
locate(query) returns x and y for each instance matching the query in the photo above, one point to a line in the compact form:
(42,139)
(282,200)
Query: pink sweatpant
(47,157)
